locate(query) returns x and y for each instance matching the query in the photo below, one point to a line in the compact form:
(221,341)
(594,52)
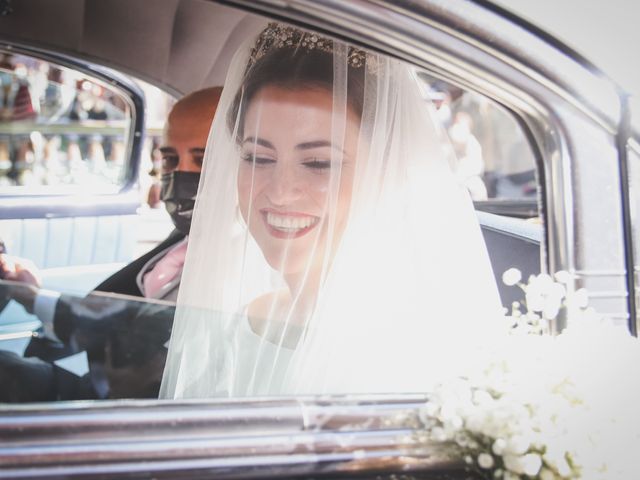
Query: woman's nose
(284,186)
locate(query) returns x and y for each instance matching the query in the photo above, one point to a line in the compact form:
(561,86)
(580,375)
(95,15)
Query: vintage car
(557,192)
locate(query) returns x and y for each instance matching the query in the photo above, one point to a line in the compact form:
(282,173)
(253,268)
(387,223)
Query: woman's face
(289,165)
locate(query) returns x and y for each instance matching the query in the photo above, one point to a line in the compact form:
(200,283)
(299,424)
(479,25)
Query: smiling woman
(284,180)
(331,269)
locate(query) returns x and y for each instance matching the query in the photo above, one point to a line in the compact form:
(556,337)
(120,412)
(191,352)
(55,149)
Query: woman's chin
(286,266)
(289,263)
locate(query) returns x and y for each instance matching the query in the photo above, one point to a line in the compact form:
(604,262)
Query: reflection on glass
(95,347)
(58,127)
(494,159)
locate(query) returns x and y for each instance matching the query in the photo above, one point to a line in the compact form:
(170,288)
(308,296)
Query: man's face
(184,139)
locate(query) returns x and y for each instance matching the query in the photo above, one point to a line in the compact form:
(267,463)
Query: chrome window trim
(231,438)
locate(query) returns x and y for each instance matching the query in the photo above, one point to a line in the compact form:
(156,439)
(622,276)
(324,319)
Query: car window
(78,196)
(495,160)
(114,346)
(74,251)
(59,129)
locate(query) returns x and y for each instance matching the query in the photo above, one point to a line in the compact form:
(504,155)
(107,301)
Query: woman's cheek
(244,191)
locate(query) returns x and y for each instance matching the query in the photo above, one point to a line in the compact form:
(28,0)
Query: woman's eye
(317,164)
(257,160)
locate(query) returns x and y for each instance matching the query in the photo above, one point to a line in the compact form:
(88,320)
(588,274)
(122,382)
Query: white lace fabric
(328,221)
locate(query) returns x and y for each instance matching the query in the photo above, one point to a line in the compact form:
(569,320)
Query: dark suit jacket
(119,335)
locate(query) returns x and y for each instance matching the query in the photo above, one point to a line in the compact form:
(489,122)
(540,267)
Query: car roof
(178,45)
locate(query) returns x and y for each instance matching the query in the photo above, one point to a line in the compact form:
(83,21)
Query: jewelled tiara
(277,36)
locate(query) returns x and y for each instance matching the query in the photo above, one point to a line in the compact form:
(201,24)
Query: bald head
(186,130)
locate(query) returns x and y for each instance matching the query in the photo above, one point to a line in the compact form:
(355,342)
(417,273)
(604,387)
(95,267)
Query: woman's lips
(288,225)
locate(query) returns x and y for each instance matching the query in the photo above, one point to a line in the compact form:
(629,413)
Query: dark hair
(293,69)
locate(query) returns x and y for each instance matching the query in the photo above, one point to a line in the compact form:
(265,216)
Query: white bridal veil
(331,249)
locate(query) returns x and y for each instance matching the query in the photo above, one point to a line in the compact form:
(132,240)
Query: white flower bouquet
(546,407)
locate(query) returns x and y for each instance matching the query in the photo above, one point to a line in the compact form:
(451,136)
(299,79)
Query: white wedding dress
(258,364)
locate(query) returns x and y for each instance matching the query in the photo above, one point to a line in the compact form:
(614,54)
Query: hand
(18,269)
(22,279)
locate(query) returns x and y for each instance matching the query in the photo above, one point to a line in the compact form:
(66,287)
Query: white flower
(546,474)
(563,468)
(534,300)
(514,463)
(580,298)
(551,308)
(542,281)
(485,461)
(455,423)
(517,445)
(563,276)
(557,291)
(462,439)
(482,397)
(499,446)
(553,302)
(542,393)
(511,277)
(544,295)
(532,463)
(555,458)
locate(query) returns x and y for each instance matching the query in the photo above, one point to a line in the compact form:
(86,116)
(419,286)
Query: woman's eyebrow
(196,151)
(168,150)
(317,144)
(258,141)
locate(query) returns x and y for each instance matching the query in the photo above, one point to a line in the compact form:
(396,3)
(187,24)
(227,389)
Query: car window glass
(495,159)
(64,138)
(59,129)
(112,346)
(93,347)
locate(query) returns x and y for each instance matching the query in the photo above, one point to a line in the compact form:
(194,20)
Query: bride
(331,249)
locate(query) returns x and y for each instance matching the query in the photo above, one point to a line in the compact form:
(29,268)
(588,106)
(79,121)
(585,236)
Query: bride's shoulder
(262,307)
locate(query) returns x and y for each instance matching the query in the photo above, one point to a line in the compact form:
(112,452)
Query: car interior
(180,46)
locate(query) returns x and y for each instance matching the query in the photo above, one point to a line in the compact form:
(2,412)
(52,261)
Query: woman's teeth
(290,223)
